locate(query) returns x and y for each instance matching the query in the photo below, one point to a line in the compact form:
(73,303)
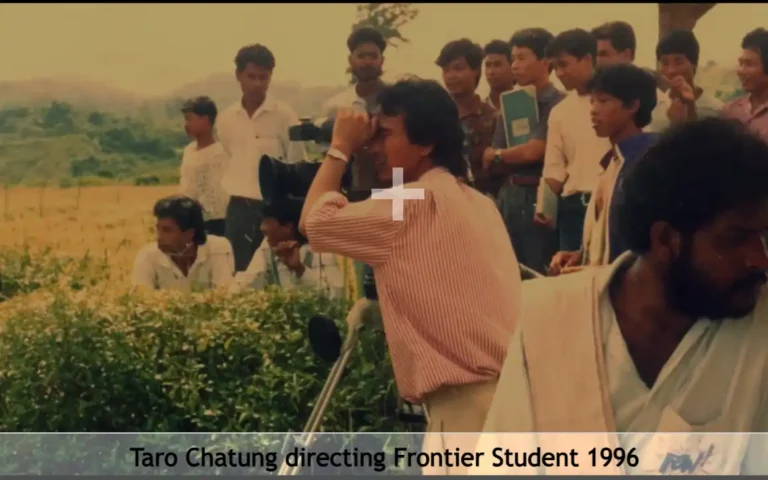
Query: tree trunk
(680,16)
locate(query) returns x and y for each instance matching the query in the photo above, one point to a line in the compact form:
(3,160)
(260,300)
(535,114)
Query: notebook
(520,113)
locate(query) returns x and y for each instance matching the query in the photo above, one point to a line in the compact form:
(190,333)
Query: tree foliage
(387,18)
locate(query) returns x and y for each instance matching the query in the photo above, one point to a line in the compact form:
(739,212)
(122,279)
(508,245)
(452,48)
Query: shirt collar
(476,109)
(628,147)
(266,106)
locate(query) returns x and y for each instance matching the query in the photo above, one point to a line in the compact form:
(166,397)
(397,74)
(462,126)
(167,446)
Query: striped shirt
(447,278)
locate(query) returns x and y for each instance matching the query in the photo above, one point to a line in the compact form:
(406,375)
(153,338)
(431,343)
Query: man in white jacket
(670,337)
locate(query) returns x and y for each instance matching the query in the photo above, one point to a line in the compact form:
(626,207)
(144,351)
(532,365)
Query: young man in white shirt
(677,57)
(572,157)
(254,126)
(184,257)
(285,258)
(203,163)
(616,43)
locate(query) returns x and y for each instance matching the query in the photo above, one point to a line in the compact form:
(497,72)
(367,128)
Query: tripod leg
(323,400)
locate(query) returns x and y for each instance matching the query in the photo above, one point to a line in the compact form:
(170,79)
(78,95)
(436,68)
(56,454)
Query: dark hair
(577,42)
(498,47)
(627,83)
(693,173)
(202,107)
(679,42)
(285,210)
(757,40)
(185,212)
(620,34)
(472,52)
(536,39)
(256,54)
(363,35)
(430,117)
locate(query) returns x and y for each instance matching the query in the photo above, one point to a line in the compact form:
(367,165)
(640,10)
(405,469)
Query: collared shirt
(213,267)
(697,390)
(631,151)
(478,124)
(546,100)
(446,276)
(707,105)
(659,118)
(573,148)
(200,178)
(322,272)
(756,119)
(246,139)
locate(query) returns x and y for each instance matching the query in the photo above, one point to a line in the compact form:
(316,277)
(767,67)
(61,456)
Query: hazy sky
(154,48)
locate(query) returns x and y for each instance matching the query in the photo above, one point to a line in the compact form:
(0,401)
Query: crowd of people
(653,309)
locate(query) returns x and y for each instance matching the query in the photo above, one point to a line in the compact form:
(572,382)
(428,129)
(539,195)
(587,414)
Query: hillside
(57,142)
(224,90)
(67,131)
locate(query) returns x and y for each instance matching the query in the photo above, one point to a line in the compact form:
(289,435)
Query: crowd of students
(661,189)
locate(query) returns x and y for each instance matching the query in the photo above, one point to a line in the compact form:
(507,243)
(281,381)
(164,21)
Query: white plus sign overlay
(398,194)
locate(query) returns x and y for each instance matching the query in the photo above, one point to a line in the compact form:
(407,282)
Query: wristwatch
(337,154)
(496,157)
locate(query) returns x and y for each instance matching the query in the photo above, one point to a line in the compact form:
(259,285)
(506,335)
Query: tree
(682,16)
(387,18)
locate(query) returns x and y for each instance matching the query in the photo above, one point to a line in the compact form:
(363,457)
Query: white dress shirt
(246,139)
(213,267)
(348,98)
(659,118)
(322,272)
(573,150)
(707,105)
(200,179)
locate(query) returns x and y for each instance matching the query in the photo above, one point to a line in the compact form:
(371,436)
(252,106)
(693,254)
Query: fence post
(42,198)
(6,201)
(77,201)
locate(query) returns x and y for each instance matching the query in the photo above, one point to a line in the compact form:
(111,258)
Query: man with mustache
(670,337)
(752,109)
(366,60)
(462,63)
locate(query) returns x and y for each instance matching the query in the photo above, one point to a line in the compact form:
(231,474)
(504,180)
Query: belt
(582,196)
(524,181)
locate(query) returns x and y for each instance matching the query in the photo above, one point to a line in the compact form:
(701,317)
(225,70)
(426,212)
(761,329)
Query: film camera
(278,179)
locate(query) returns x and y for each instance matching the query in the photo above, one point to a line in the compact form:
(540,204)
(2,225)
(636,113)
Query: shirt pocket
(269,146)
(680,448)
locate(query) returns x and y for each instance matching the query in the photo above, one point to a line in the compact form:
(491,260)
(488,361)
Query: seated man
(184,257)
(670,337)
(284,257)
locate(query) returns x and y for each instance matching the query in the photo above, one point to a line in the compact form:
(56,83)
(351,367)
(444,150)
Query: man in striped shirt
(446,275)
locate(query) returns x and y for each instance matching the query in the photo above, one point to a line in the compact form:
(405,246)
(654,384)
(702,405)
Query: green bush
(167,362)
(21,272)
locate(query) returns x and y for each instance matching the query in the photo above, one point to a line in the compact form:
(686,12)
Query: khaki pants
(460,409)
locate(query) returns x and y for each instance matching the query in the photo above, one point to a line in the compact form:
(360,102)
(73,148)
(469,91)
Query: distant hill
(224,90)
(66,131)
(84,93)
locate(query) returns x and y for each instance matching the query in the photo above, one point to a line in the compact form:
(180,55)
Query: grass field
(110,222)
